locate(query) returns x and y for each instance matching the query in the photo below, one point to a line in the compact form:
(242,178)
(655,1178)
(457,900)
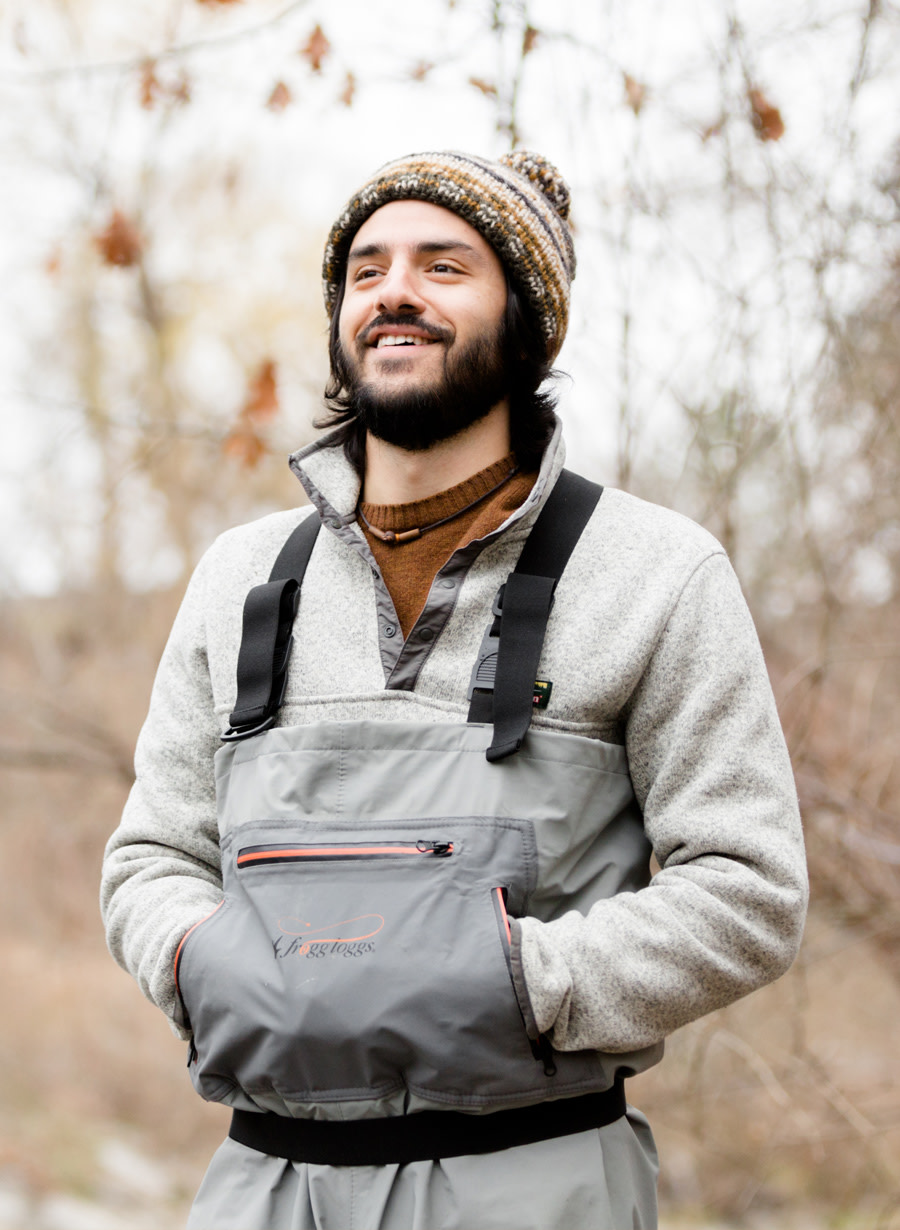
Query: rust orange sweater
(409,568)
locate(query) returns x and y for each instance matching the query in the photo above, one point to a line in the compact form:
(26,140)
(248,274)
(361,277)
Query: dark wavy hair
(532,407)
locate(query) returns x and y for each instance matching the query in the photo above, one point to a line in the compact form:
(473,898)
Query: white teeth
(400,340)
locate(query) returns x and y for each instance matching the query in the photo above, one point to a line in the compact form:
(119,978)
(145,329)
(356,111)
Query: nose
(399,291)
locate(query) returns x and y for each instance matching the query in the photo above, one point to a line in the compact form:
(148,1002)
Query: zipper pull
(440,849)
(543,1053)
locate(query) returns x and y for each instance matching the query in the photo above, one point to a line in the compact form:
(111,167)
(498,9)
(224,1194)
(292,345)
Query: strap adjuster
(235,733)
(484,672)
(262,677)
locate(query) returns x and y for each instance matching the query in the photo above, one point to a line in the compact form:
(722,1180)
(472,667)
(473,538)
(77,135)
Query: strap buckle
(234,736)
(484,672)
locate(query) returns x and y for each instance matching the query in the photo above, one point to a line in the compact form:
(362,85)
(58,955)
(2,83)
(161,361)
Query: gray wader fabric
(604,1179)
(359,967)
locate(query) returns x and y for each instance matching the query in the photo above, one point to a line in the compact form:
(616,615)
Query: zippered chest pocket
(344,937)
(357,961)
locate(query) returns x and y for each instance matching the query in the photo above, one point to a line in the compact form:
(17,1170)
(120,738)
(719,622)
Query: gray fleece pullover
(650,645)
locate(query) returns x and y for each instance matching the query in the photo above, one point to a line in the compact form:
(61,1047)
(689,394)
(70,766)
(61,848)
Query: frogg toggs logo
(351,937)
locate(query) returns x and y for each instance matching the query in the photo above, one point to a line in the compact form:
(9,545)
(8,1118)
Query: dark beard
(473,382)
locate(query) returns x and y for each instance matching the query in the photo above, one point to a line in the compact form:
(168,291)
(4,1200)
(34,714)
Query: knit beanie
(519,204)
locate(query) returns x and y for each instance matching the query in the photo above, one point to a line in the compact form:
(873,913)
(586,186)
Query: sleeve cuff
(542,980)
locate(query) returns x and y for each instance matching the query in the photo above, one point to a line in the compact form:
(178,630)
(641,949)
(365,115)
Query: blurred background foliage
(170,171)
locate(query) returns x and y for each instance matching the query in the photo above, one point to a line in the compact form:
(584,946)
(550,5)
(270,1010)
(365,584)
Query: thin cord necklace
(395,537)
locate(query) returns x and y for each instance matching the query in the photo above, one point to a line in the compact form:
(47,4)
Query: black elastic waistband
(426,1135)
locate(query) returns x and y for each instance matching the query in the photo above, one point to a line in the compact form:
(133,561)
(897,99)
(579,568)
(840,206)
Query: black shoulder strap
(266,638)
(502,687)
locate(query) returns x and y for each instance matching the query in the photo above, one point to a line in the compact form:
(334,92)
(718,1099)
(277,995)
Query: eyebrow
(427,248)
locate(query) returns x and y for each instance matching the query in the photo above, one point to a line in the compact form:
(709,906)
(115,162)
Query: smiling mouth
(402,340)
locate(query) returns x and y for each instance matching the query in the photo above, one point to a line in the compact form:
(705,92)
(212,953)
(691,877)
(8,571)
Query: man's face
(420,324)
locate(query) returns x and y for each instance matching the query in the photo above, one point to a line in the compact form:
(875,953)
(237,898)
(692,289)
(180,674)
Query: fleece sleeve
(162,870)
(710,768)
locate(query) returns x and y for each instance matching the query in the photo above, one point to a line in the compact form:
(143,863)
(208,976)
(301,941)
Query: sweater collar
(333,485)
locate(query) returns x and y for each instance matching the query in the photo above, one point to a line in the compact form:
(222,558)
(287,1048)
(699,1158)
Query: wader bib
(358,981)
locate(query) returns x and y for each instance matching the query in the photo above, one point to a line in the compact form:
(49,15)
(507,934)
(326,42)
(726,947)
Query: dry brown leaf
(316,49)
(280,97)
(152,89)
(635,93)
(120,242)
(262,394)
(245,445)
(180,89)
(529,39)
(766,118)
(486,87)
(421,70)
(244,441)
(349,90)
(150,86)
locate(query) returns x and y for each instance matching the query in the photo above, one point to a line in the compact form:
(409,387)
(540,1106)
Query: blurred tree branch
(138,63)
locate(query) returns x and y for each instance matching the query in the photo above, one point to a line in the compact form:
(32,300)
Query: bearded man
(404,914)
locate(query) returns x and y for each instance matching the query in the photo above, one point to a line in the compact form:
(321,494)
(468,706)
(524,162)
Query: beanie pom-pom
(543,174)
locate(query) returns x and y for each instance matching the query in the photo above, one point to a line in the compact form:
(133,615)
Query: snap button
(389,630)
(335,523)
(426,634)
(447,583)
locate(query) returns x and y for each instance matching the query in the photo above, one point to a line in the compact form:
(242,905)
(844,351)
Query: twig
(862,61)
(76,728)
(754,1060)
(31,759)
(37,76)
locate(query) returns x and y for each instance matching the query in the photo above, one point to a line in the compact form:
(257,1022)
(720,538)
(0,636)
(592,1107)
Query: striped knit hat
(519,204)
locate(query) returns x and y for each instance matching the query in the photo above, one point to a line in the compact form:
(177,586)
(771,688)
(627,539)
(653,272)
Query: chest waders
(358,981)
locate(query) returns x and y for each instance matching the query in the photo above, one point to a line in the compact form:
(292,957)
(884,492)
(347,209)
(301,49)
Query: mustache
(413,322)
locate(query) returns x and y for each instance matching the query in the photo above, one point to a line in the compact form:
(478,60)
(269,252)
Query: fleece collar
(332,483)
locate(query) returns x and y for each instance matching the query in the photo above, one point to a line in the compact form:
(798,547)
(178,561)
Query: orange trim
(499,892)
(184,939)
(329,851)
